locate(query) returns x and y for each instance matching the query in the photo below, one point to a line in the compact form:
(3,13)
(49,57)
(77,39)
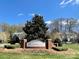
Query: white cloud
(76,2)
(32,14)
(78,21)
(66,2)
(20,14)
(62,2)
(48,22)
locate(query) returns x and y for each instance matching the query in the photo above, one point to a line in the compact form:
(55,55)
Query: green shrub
(12,46)
(58,41)
(60,49)
(9,46)
(17,45)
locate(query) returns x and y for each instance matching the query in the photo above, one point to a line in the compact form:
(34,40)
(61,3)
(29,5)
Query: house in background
(20,35)
(69,37)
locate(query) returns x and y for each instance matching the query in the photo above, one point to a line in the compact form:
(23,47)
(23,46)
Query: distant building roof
(19,34)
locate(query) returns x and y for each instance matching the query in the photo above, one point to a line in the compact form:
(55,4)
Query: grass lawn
(72,46)
(75,47)
(36,56)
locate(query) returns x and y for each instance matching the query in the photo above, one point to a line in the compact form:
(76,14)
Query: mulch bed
(36,50)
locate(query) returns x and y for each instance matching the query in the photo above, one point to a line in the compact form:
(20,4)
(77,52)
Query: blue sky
(18,11)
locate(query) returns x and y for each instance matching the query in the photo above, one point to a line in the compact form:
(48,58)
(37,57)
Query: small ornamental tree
(36,29)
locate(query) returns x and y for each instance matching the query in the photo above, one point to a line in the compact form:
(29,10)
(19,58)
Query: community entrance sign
(36,43)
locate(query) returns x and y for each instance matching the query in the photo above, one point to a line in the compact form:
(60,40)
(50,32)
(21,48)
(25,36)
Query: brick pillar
(48,44)
(23,43)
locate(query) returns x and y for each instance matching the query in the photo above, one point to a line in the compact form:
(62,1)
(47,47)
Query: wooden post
(56,44)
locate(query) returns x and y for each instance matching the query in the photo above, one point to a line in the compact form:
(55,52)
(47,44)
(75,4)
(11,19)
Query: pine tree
(36,29)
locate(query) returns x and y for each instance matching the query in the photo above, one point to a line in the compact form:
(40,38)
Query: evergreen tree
(36,29)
